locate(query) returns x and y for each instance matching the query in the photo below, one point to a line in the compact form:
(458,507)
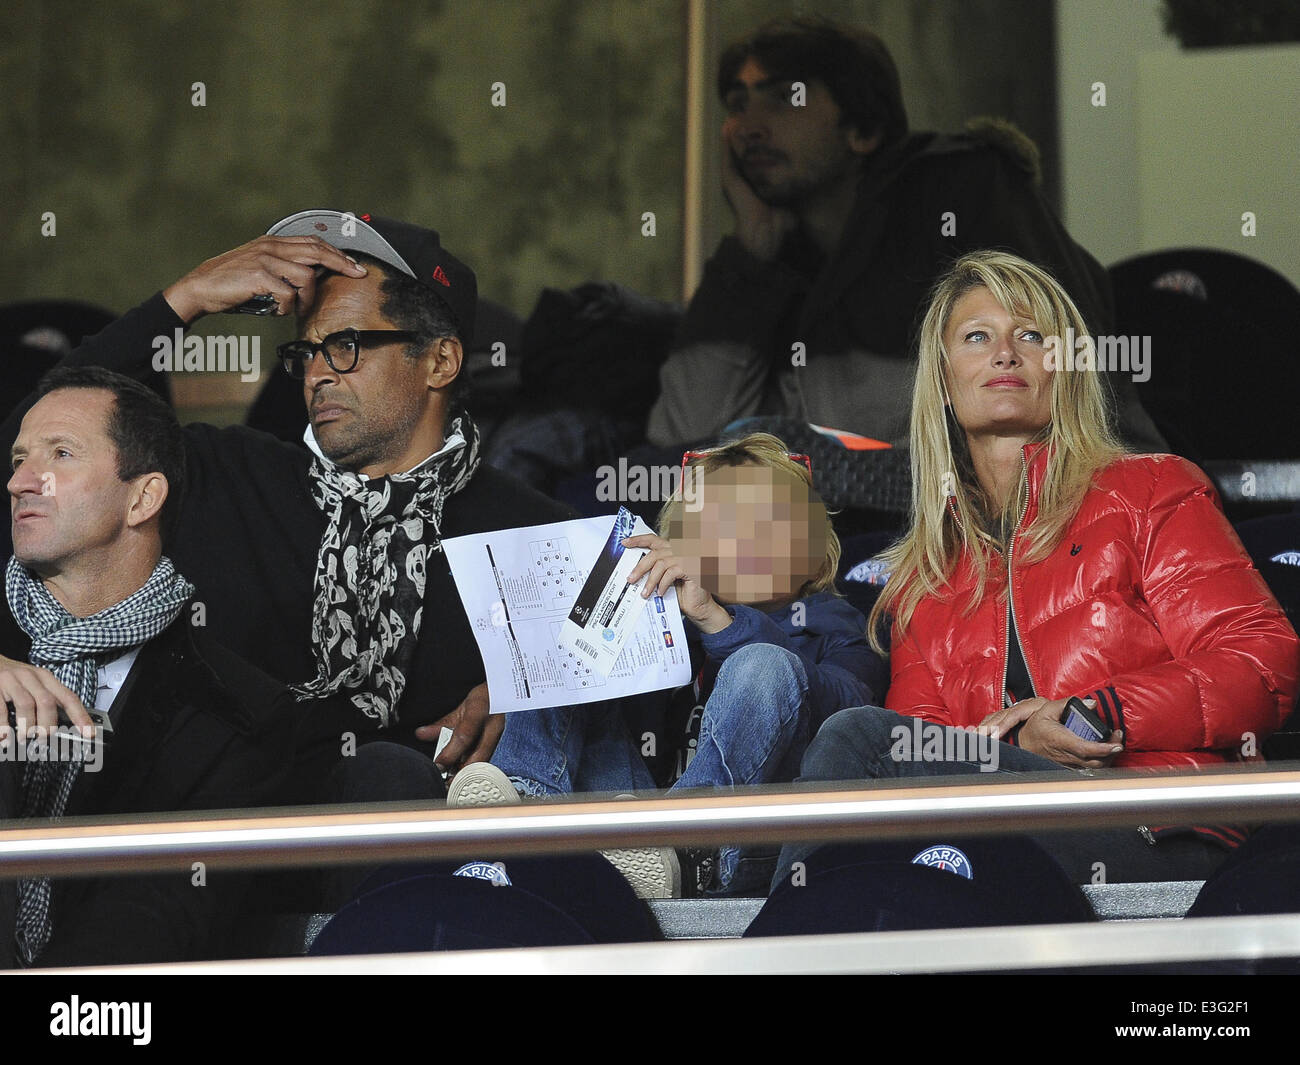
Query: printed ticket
(607,609)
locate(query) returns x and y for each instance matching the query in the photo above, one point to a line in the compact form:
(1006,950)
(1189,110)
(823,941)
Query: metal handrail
(1062,946)
(343,836)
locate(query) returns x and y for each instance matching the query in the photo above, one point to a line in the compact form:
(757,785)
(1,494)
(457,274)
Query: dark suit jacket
(195,728)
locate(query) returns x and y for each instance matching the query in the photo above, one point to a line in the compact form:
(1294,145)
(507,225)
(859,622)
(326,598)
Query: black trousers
(864,744)
(379,772)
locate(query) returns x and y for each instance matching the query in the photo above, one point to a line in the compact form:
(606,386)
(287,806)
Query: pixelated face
(997,375)
(788,152)
(756,535)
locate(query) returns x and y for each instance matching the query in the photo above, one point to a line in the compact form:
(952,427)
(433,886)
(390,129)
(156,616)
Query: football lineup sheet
(546,637)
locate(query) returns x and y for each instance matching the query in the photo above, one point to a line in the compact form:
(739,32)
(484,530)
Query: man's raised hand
(284,267)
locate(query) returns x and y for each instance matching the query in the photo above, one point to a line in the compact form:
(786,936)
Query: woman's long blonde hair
(1080,438)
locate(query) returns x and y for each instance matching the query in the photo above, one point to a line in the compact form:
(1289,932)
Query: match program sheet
(521,587)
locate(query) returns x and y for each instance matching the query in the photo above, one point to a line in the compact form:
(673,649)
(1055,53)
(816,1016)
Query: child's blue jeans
(755,729)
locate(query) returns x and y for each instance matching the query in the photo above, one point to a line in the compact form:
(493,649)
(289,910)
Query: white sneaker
(481,784)
(653,872)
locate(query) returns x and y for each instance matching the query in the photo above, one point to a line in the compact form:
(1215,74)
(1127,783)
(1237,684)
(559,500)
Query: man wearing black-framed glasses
(341,350)
(325,567)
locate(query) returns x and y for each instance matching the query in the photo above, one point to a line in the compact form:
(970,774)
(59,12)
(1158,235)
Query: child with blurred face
(750,549)
(751,552)
(754,534)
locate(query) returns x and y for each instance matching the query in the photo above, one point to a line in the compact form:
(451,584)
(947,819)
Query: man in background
(844,220)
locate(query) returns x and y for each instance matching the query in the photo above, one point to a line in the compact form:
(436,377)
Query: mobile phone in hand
(1085,723)
(262,304)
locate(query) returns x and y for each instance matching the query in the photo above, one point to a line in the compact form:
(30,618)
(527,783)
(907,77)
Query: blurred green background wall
(386,107)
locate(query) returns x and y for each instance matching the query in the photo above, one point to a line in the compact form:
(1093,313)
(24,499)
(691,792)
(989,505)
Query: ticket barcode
(586,648)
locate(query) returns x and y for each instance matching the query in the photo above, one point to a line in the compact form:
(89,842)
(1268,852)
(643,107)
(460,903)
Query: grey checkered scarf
(72,648)
(371,567)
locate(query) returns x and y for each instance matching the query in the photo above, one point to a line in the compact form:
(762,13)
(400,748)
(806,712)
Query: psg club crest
(941,856)
(495,873)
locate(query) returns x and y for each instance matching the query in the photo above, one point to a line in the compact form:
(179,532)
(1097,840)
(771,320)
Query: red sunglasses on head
(690,455)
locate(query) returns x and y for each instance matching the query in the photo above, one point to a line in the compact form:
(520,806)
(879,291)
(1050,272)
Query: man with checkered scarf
(121,707)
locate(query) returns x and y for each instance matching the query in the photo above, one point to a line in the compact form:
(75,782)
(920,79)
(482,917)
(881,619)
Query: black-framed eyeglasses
(342,350)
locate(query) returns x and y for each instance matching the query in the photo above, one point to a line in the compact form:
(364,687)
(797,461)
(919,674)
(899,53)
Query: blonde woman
(1044,564)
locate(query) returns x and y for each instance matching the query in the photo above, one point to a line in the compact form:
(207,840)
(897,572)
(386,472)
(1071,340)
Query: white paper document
(547,642)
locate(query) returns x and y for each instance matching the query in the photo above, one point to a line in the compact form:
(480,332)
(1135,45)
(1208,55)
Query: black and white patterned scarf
(72,649)
(371,567)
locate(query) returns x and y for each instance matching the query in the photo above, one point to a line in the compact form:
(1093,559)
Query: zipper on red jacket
(952,507)
(1011,599)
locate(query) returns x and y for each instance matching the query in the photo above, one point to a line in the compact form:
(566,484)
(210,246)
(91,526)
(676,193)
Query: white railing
(339,836)
(1063,946)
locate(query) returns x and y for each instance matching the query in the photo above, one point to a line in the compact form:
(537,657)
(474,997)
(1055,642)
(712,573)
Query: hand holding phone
(268,275)
(1084,722)
(261,304)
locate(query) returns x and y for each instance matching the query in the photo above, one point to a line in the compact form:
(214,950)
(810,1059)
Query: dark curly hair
(411,305)
(853,63)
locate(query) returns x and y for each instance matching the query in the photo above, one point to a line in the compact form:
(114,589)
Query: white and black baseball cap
(414,250)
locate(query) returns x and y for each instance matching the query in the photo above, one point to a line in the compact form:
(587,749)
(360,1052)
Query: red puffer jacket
(1149,604)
